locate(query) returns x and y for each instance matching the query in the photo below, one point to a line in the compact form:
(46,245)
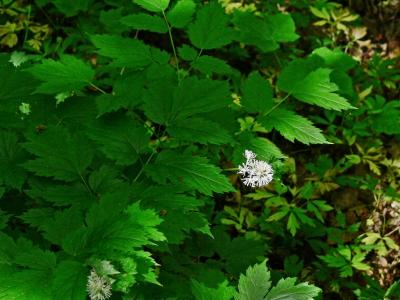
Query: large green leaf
(70,281)
(11,156)
(316,88)
(265,34)
(166,103)
(121,139)
(210,30)
(125,52)
(69,74)
(287,289)
(257,94)
(255,284)
(59,154)
(199,130)
(293,127)
(193,171)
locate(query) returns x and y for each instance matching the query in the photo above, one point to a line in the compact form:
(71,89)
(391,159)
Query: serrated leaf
(59,154)
(11,156)
(202,292)
(127,93)
(210,30)
(181,14)
(187,53)
(209,65)
(142,21)
(199,130)
(287,289)
(293,127)
(70,280)
(69,74)
(125,52)
(165,103)
(335,59)
(316,88)
(121,140)
(255,284)
(193,171)
(257,94)
(265,34)
(153,5)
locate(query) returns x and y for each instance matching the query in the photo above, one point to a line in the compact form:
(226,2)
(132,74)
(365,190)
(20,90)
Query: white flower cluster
(99,288)
(255,173)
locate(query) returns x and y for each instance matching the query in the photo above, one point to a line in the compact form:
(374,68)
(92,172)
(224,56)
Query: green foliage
(122,130)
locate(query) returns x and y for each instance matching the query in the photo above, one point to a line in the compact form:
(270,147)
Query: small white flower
(255,173)
(99,288)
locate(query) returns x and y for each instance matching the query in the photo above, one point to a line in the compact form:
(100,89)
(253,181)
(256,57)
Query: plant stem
(97,88)
(172,42)
(277,105)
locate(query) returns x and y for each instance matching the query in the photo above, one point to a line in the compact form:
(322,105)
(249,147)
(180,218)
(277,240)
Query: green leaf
(165,103)
(202,292)
(59,154)
(181,14)
(257,94)
(121,140)
(111,227)
(316,88)
(287,289)
(69,74)
(387,121)
(264,148)
(265,34)
(255,284)
(71,8)
(127,93)
(125,52)
(209,65)
(193,171)
(199,130)
(153,5)
(145,22)
(187,53)
(292,224)
(293,127)
(296,71)
(70,281)
(210,30)
(335,59)
(11,156)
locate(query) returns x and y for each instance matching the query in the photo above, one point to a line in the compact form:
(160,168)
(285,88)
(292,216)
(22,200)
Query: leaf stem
(97,88)
(172,43)
(277,105)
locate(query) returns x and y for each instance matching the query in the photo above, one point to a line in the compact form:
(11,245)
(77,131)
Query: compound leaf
(193,171)
(255,284)
(257,94)
(125,52)
(293,127)
(210,30)
(70,281)
(67,75)
(59,154)
(287,289)
(199,130)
